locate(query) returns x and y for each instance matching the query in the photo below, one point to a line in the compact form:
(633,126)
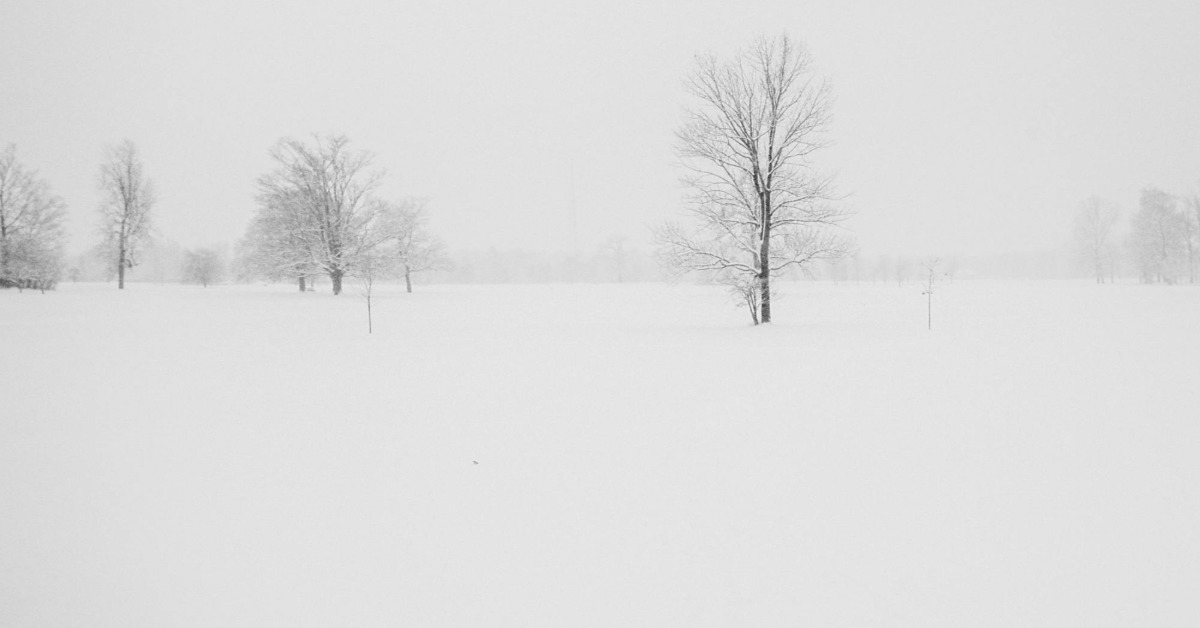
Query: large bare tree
(317,207)
(760,205)
(1095,223)
(128,197)
(31,226)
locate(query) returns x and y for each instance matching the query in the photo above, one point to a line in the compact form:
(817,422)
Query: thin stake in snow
(370,326)
(930,265)
(367,268)
(368,283)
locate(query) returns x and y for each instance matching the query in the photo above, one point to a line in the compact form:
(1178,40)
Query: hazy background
(960,128)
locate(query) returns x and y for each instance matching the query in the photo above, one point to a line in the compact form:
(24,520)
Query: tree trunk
(764,283)
(121,270)
(336,277)
(408,279)
(3,250)
(764,259)
(300,280)
(765,306)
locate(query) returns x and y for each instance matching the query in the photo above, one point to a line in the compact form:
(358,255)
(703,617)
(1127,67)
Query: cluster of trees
(159,261)
(31,227)
(758,205)
(1163,239)
(319,213)
(32,233)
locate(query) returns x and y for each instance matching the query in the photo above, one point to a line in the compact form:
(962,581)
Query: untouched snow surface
(600,456)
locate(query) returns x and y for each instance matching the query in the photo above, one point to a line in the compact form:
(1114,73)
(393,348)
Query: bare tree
(1190,223)
(615,248)
(882,271)
(31,227)
(125,209)
(373,265)
(202,266)
(759,205)
(745,289)
(416,249)
(902,268)
(320,206)
(1157,239)
(1095,222)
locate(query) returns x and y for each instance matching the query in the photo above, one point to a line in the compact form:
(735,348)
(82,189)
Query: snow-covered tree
(202,266)
(1190,222)
(31,227)
(759,205)
(1095,226)
(1157,240)
(316,209)
(34,262)
(277,243)
(128,197)
(406,232)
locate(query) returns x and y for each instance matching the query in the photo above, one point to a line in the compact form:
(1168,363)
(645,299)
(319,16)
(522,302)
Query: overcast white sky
(959,127)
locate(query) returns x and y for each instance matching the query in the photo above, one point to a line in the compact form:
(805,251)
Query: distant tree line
(1157,243)
(32,234)
(615,260)
(1162,244)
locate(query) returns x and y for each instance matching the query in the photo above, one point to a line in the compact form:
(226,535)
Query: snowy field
(613,455)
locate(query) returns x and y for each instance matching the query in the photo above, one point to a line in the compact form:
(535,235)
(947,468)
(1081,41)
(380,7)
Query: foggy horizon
(956,130)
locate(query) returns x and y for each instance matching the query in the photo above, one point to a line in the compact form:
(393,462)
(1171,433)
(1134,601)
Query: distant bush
(202,266)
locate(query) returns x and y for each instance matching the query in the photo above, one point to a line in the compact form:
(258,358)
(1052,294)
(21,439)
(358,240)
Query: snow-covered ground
(601,455)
